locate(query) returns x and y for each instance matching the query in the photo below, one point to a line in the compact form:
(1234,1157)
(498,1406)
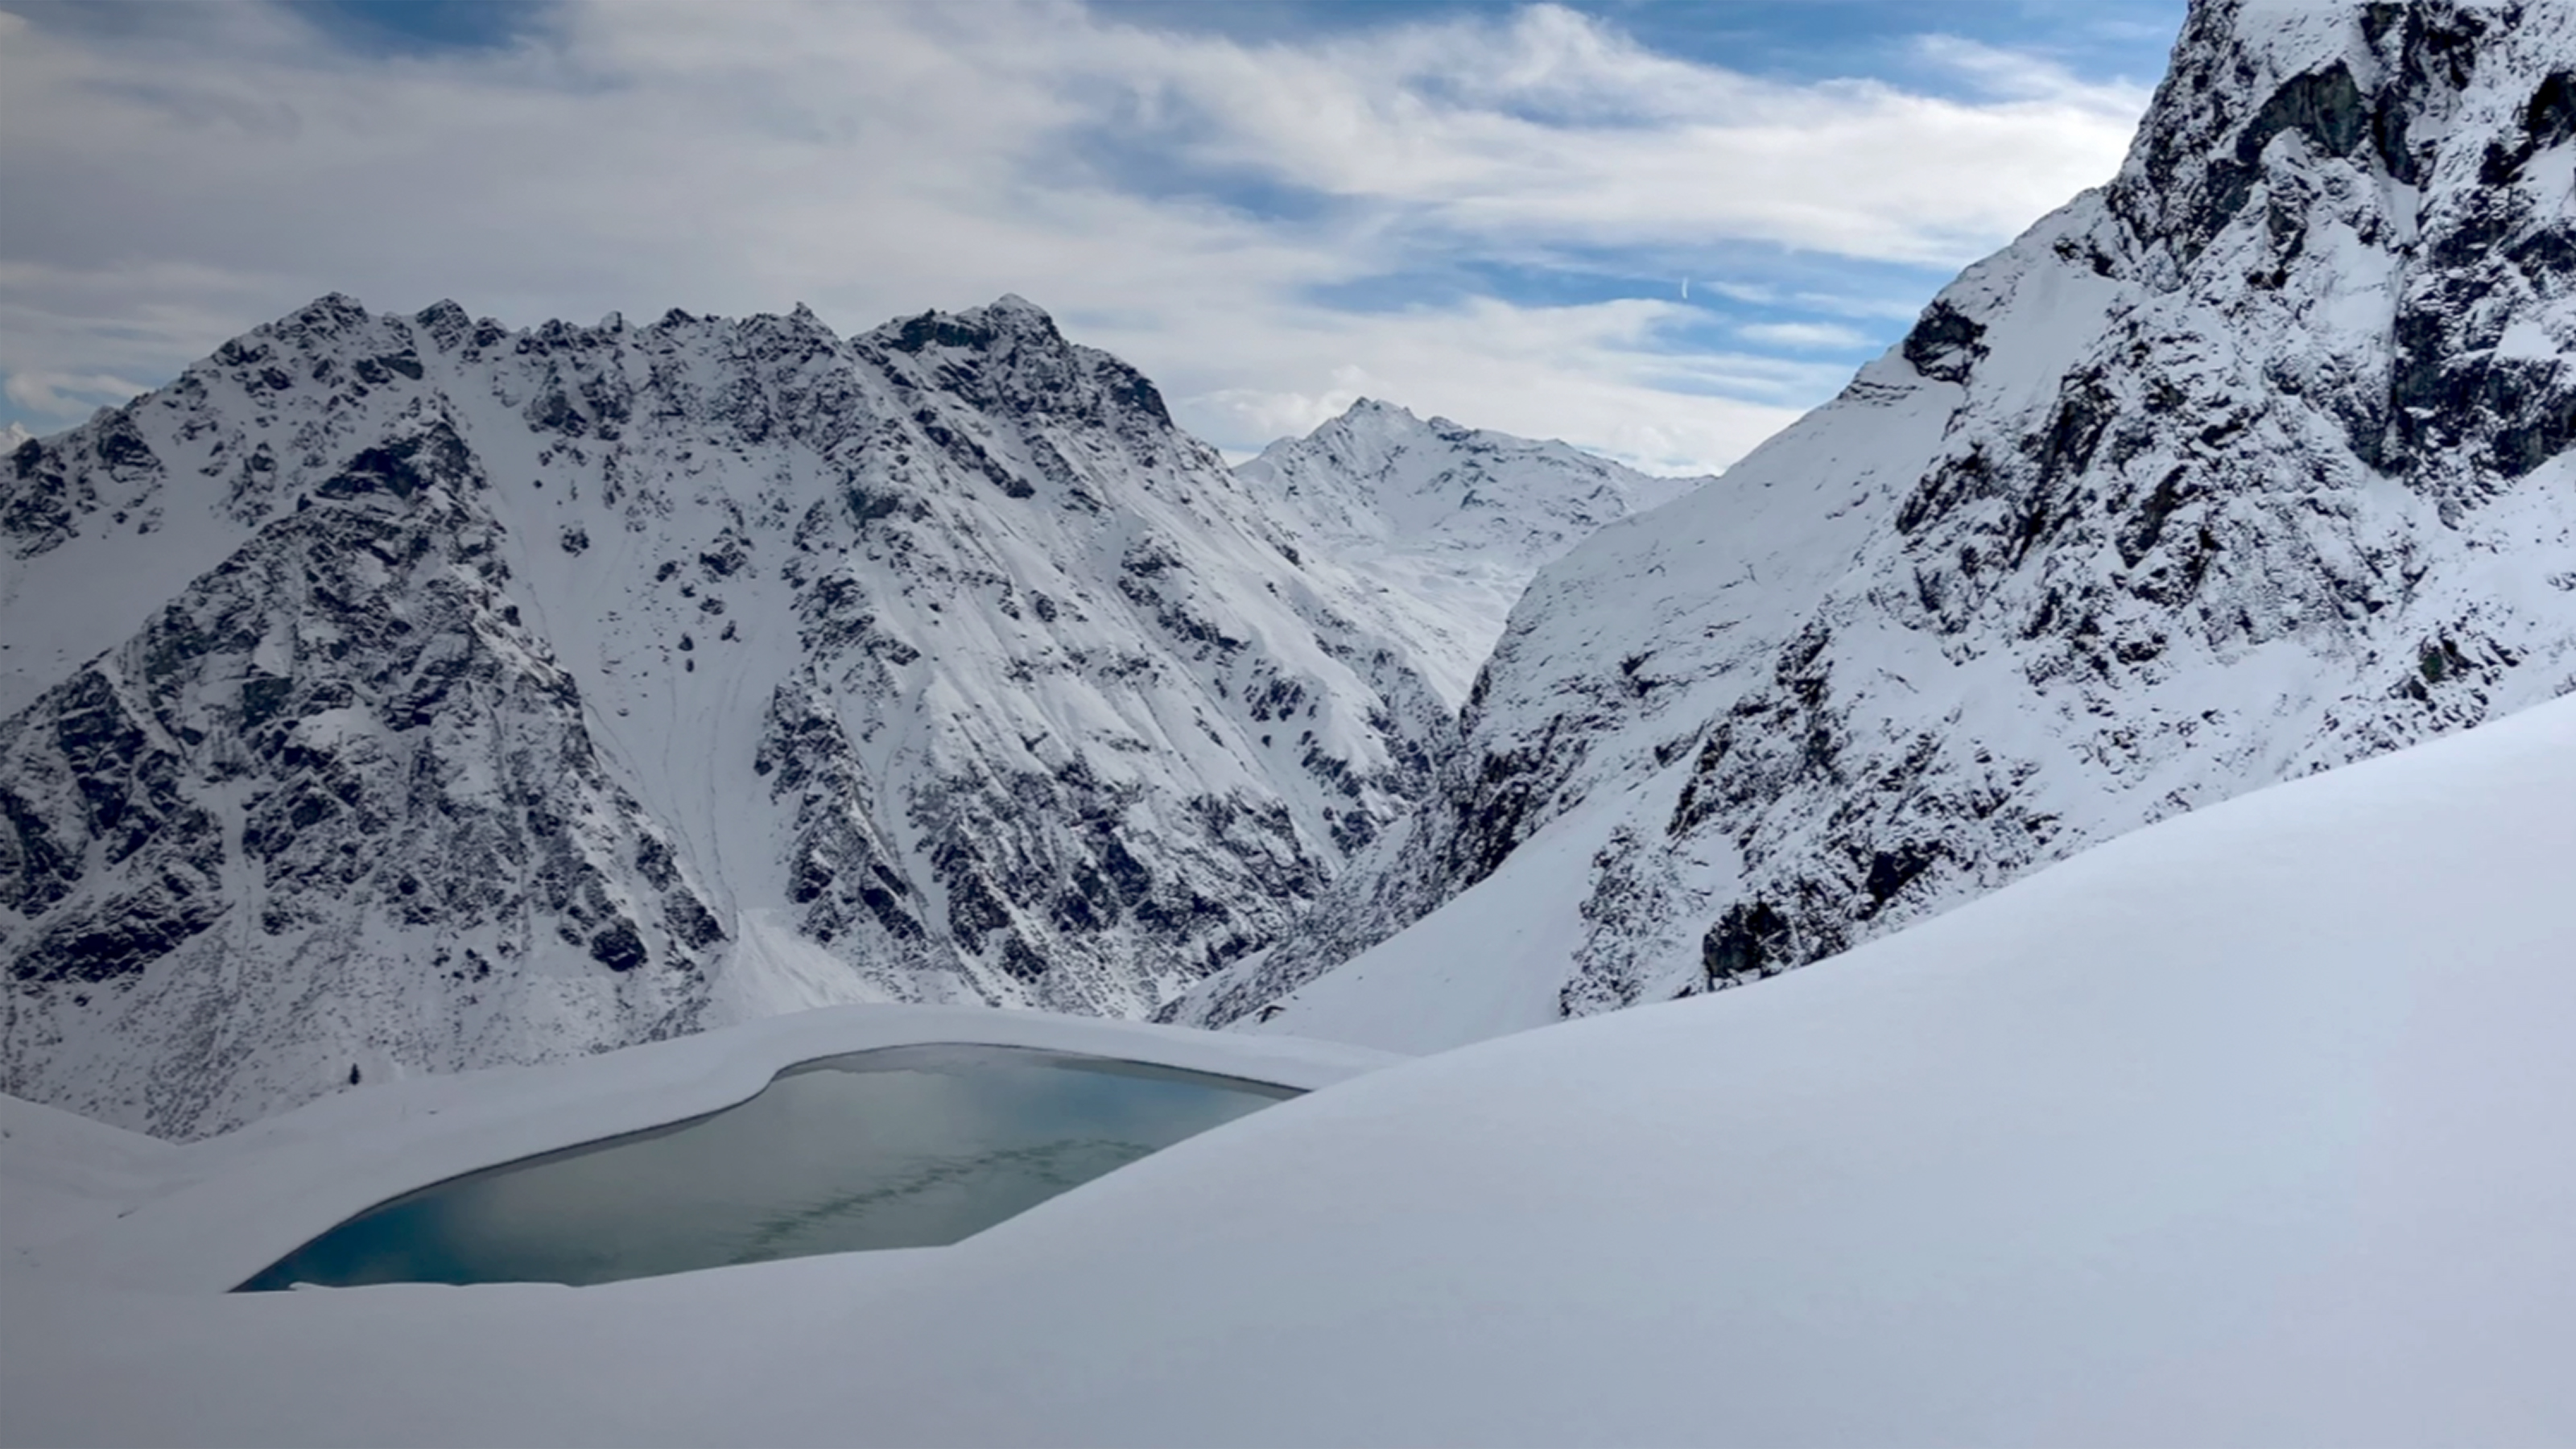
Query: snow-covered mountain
(2254,462)
(2067,1166)
(1455,520)
(405,693)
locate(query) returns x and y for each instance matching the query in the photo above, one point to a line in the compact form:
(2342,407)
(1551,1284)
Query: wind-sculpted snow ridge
(2250,464)
(1454,519)
(405,693)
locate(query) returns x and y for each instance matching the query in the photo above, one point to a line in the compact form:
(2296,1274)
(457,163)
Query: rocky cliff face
(2252,463)
(406,693)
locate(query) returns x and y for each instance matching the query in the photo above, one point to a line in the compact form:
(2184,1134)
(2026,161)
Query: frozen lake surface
(900,1147)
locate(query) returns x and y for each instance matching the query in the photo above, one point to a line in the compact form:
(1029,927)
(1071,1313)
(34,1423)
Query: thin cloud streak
(1181,199)
(1803,336)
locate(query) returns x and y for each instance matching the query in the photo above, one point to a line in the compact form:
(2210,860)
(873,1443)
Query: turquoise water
(904,1147)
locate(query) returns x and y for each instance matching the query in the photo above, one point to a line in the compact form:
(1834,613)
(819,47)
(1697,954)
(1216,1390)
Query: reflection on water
(901,1148)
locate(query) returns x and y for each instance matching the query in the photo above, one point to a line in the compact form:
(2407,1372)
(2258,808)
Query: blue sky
(1273,206)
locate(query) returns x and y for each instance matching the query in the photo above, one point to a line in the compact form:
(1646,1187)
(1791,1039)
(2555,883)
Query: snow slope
(1455,520)
(2252,463)
(393,694)
(2241,1128)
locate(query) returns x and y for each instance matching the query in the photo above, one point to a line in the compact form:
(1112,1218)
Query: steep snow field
(2244,1128)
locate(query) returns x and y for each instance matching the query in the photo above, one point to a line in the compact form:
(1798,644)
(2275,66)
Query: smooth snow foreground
(2250,1127)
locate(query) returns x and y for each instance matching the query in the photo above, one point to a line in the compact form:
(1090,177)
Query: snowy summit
(1455,520)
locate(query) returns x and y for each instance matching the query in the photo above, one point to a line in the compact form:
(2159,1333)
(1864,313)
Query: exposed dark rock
(1946,343)
(618,948)
(1750,941)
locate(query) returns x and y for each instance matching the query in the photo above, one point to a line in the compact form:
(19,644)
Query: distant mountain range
(407,693)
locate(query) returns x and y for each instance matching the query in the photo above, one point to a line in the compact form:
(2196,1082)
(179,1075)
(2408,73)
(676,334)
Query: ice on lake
(901,1147)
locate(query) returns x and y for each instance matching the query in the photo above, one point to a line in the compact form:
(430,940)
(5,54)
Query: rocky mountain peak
(1009,324)
(2370,79)
(1009,354)
(331,315)
(1370,433)
(425,691)
(2298,152)
(1369,411)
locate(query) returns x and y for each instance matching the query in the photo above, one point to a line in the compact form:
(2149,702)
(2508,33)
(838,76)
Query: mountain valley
(404,693)
(394,694)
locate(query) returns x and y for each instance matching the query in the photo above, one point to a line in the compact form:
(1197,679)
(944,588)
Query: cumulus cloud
(1554,128)
(1191,201)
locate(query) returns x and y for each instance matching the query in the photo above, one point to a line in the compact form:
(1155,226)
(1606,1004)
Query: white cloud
(1554,128)
(1578,373)
(2019,75)
(879,159)
(1804,336)
(62,394)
